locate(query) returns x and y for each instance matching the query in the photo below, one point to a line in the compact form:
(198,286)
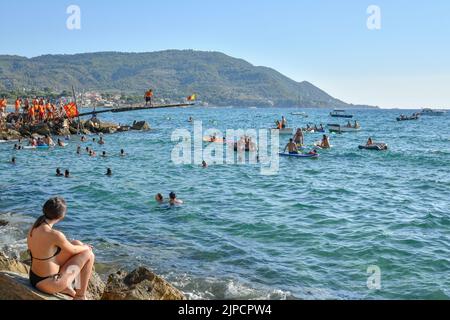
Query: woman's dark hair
(172,195)
(54,208)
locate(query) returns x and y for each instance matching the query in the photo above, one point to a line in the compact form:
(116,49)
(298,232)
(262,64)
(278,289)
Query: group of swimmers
(173,200)
(356,125)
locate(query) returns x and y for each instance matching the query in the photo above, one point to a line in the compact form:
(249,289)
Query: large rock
(140,125)
(16,286)
(12,265)
(107,127)
(141,284)
(10,135)
(96,287)
(14,276)
(41,129)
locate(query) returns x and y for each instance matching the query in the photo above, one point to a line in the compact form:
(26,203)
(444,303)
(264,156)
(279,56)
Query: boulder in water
(140,125)
(141,284)
(41,129)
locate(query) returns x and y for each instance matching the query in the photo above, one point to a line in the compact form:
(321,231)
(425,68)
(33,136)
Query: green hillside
(216,78)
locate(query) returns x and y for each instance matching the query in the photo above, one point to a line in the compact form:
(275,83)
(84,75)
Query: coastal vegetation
(217,79)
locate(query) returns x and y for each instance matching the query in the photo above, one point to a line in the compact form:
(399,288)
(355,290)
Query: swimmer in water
(101,141)
(104,154)
(204,164)
(59,173)
(109,172)
(159,198)
(122,153)
(60,143)
(173,199)
(13,160)
(78,150)
(67,174)
(83,139)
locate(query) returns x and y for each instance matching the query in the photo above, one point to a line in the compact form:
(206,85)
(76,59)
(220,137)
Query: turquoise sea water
(309,232)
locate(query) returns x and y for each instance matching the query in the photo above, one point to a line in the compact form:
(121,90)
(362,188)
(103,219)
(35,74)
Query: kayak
(375,146)
(300,155)
(36,147)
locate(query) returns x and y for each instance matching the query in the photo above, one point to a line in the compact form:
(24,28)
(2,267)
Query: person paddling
(292,147)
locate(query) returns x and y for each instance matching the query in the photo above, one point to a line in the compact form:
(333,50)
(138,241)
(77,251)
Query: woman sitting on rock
(55,262)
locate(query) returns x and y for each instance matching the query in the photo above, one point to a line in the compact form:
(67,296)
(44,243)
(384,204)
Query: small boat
(431,112)
(340,114)
(375,146)
(300,155)
(285,131)
(403,118)
(337,128)
(303,114)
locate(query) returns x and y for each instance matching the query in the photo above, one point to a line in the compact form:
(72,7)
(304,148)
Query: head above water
(58,171)
(67,173)
(172,196)
(159,197)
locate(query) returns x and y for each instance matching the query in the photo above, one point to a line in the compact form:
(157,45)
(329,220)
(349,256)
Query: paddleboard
(300,155)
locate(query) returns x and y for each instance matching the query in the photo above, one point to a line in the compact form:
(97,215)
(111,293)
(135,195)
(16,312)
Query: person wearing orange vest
(31,114)
(18,105)
(148,97)
(41,112)
(48,109)
(3,103)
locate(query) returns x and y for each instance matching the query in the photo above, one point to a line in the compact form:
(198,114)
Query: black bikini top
(58,251)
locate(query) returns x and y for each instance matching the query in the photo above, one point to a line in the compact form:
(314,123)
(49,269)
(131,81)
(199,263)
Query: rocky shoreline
(64,127)
(139,284)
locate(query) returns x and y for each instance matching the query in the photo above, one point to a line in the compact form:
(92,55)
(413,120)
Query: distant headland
(216,78)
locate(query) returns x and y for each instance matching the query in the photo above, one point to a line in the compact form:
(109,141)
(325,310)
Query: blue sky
(326,42)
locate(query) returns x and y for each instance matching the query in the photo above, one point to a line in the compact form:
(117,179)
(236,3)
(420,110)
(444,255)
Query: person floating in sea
(92,153)
(109,172)
(13,160)
(87,149)
(204,164)
(369,142)
(83,139)
(78,150)
(148,97)
(313,152)
(325,143)
(59,173)
(67,174)
(159,198)
(299,138)
(104,154)
(190,119)
(173,199)
(60,143)
(291,147)
(101,141)
(122,153)
(56,262)
(49,141)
